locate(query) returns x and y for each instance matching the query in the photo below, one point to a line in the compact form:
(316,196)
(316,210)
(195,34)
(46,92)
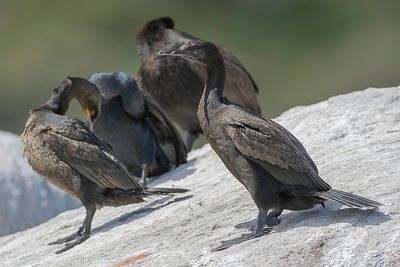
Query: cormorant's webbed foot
(80,236)
(70,237)
(65,239)
(265,230)
(272,219)
(258,230)
(70,245)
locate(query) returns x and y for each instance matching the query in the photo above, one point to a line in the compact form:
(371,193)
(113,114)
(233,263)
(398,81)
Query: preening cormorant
(66,153)
(266,158)
(142,137)
(176,85)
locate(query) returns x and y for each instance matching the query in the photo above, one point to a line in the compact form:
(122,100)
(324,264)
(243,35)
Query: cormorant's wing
(274,148)
(168,138)
(132,98)
(112,84)
(77,146)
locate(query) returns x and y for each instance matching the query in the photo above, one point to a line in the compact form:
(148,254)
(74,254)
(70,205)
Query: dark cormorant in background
(266,158)
(141,135)
(176,85)
(70,156)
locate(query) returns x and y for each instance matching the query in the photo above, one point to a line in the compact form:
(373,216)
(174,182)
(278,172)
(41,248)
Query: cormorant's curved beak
(88,119)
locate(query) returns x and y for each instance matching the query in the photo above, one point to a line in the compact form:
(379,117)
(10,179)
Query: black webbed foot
(80,236)
(65,239)
(264,231)
(272,219)
(70,245)
(69,237)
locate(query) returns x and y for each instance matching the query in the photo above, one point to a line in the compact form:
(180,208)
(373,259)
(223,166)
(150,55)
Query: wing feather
(276,150)
(168,138)
(78,147)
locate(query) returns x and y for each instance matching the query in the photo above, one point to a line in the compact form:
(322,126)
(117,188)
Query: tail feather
(349,199)
(361,200)
(165,191)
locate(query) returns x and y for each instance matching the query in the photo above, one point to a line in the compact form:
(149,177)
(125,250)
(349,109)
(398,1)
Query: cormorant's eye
(196,49)
(93,114)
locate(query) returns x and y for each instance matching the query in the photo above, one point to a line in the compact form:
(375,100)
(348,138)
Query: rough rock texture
(25,198)
(355,141)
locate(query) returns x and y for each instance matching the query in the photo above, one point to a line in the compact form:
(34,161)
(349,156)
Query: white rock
(355,141)
(26,199)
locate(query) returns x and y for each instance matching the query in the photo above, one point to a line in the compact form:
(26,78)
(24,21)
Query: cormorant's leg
(271,220)
(261,220)
(189,141)
(87,225)
(144,175)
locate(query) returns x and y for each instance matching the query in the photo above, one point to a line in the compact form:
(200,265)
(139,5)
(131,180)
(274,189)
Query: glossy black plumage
(266,158)
(177,84)
(141,135)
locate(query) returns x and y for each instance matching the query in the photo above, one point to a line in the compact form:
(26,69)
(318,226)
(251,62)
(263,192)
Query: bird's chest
(43,160)
(238,165)
(234,161)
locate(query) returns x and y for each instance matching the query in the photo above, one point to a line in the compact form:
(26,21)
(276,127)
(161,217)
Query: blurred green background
(298,52)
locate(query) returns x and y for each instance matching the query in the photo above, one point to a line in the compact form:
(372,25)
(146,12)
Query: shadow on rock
(313,218)
(177,174)
(142,212)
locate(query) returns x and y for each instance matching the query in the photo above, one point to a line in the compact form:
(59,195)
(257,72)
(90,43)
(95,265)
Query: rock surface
(26,199)
(355,141)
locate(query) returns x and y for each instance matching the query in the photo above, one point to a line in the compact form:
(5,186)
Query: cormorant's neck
(214,88)
(215,82)
(59,103)
(66,97)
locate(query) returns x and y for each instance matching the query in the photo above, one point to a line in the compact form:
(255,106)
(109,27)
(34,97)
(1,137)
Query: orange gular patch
(86,111)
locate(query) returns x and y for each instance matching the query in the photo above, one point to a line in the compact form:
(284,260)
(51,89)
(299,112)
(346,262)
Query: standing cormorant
(64,151)
(177,84)
(141,135)
(266,158)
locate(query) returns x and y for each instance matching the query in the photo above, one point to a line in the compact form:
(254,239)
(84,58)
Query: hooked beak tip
(89,122)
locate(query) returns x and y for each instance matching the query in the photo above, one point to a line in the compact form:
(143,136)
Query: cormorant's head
(88,95)
(55,103)
(152,31)
(198,51)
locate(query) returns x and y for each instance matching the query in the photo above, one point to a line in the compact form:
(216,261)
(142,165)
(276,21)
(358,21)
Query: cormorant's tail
(165,191)
(349,199)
